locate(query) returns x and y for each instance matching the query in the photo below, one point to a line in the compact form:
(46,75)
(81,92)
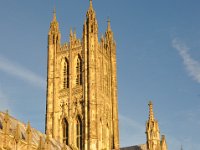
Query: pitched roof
(36,135)
(136,147)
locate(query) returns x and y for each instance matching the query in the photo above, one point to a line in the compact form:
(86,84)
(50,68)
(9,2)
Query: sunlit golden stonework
(81,104)
(153,133)
(82,87)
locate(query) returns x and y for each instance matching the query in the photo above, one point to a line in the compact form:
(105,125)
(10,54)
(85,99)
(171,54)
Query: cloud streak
(132,132)
(4,101)
(19,71)
(192,66)
(131,123)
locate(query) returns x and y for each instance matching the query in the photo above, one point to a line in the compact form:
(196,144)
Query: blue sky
(158,57)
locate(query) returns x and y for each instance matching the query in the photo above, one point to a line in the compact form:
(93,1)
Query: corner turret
(163,143)
(54,31)
(153,132)
(91,22)
(109,33)
(54,38)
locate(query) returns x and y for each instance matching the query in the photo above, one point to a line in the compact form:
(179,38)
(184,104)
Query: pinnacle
(28,129)
(108,27)
(54,14)
(90,2)
(91,6)
(151,114)
(90,10)
(181,147)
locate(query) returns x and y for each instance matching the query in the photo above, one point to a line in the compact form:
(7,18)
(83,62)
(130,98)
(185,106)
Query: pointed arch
(1,125)
(79,71)
(65,131)
(79,133)
(66,74)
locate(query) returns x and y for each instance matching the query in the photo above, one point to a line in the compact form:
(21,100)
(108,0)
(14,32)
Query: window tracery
(79,71)
(66,74)
(65,132)
(79,133)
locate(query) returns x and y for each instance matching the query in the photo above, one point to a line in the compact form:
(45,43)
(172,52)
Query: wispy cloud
(19,71)
(132,123)
(186,142)
(192,66)
(132,132)
(4,101)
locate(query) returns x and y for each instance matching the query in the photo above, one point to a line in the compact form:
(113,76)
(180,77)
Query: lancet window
(66,75)
(79,71)
(1,126)
(65,132)
(79,133)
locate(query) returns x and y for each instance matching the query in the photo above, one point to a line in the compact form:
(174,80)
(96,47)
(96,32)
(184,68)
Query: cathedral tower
(82,107)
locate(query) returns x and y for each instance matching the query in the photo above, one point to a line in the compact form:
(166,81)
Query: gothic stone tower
(153,133)
(82,107)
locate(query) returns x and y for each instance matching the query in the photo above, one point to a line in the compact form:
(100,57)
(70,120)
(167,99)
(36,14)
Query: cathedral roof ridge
(23,127)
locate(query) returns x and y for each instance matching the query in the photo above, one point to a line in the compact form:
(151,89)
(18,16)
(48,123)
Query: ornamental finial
(108,27)
(91,4)
(151,114)
(54,14)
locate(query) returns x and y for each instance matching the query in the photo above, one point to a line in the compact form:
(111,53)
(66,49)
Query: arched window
(113,142)
(79,71)
(23,136)
(79,133)
(65,132)
(1,126)
(66,74)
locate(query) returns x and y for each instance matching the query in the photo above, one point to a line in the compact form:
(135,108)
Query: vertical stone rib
(51,103)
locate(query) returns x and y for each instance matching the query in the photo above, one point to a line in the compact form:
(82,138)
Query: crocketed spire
(151,114)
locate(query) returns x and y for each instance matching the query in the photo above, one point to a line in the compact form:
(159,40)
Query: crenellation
(65,47)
